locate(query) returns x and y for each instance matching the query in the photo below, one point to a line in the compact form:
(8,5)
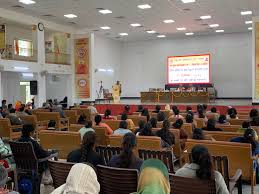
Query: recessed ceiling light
(123,34)
(70,16)
(246,12)
(21,68)
(151,31)
(168,21)
(188,1)
(144,6)
(105,11)
(135,25)
(161,36)
(105,27)
(220,31)
(181,29)
(213,25)
(189,33)
(249,22)
(27,2)
(250,28)
(27,74)
(205,17)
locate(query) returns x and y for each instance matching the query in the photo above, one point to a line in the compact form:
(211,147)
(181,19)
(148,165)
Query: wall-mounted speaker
(34,87)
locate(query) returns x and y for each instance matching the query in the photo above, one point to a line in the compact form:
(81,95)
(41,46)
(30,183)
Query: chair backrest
(149,143)
(83,111)
(6,130)
(222,135)
(177,146)
(24,156)
(200,122)
(167,113)
(181,185)
(59,171)
(102,138)
(114,124)
(75,127)
(237,121)
(229,128)
(107,152)
(188,128)
(32,119)
(117,180)
(63,141)
(212,116)
(239,155)
(115,140)
(72,115)
(136,119)
(165,156)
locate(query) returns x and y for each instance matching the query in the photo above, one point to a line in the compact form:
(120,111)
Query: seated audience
(160,117)
(255,121)
(157,109)
(153,122)
(124,117)
(98,122)
(86,128)
(199,135)
(4,180)
(128,157)
(107,115)
(200,114)
(202,168)
(176,114)
(205,106)
(123,129)
(189,119)
(52,125)
(9,107)
(140,108)
(21,111)
(58,108)
(223,120)
(147,130)
(165,134)
(141,124)
(232,113)
(127,110)
(183,135)
(153,178)
(82,179)
(92,109)
(167,107)
(4,106)
(82,120)
(245,126)
(145,112)
(5,150)
(14,119)
(211,126)
(213,110)
(188,109)
(86,153)
(253,114)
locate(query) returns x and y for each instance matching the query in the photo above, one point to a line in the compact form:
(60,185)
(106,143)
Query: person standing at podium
(116,92)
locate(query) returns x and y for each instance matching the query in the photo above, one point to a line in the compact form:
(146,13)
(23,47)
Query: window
(23,48)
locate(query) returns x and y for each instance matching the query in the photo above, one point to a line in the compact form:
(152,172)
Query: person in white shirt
(92,108)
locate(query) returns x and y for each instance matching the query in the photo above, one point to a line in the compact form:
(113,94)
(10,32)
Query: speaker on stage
(34,87)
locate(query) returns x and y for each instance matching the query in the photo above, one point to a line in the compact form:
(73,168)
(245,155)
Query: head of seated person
(167,137)
(124,117)
(147,130)
(82,119)
(232,111)
(160,116)
(154,178)
(10,106)
(233,116)
(198,134)
(81,179)
(188,109)
(176,112)
(127,109)
(253,113)
(178,124)
(128,157)
(141,125)
(123,128)
(153,122)
(213,110)
(98,119)
(246,125)
(250,137)
(140,108)
(201,113)
(222,119)
(157,109)
(189,118)
(12,111)
(107,114)
(52,125)
(145,112)
(28,131)
(211,126)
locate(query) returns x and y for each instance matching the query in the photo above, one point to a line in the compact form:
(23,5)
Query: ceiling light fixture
(220,31)
(181,29)
(188,1)
(27,74)
(161,36)
(249,22)
(168,21)
(246,12)
(189,33)
(144,6)
(27,2)
(21,68)
(105,11)
(213,25)
(205,17)
(250,28)
(105,27)
(151,31)
(123,34)
(135,25)
(70,16)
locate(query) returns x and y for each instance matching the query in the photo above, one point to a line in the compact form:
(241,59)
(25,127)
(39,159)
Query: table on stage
(175,97)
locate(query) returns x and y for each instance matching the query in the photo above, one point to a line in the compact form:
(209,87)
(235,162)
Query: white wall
(144,63)
(107,55)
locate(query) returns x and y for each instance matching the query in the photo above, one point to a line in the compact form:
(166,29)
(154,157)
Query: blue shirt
(121,131)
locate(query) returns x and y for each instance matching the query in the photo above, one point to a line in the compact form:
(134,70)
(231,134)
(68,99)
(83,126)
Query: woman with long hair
(167,136)
(153,122)
(107,115)
(127,158)
(202,168)
(183,135)
(147,130)
(86,153)
(145,113)
(211,126)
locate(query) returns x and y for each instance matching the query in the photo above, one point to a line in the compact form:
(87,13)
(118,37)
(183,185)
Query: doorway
(25,92)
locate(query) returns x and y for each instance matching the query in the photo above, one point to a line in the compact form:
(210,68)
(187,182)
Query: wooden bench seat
(61,123)
(6,130)
(63,141)
(72,115)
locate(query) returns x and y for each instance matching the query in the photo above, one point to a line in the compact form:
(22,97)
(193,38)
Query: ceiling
(226,13)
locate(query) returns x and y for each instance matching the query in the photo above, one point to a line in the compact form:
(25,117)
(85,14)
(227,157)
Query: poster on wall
(2,38)
(257,60)
(82,78)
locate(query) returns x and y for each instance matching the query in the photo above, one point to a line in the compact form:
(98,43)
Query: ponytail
(87,145)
